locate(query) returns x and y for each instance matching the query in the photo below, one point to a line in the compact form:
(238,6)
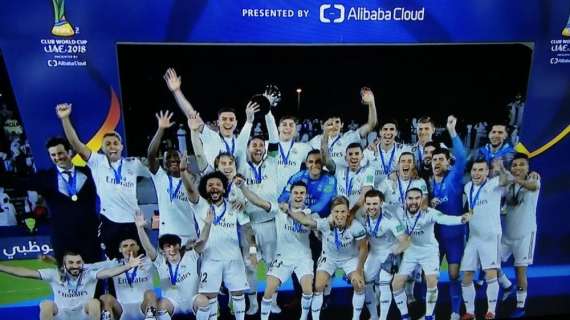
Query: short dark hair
(497,123)
(430,144)
(374,193)
(520,155)
(314,151)
(388,121)
(288,117)
(444,151)
(260,137)
(55,141)
(480,160)
(212,175)
(407,153)
(426,119)
(113,134)
(413,190)
(223,154)
(169,239)
(126,237)
(226,109)
(299,184)
(354,145)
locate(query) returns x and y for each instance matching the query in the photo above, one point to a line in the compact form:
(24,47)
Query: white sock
(265,308)
(305,305)
(163,315)
(239,306)
(385,300)
(503,280)
(431,300)
(468,291)
(357,304)
(274,299)
(213,307)
(370,301)
(492,294)
(203,313)
(316,305)
(401,302)
(521,298)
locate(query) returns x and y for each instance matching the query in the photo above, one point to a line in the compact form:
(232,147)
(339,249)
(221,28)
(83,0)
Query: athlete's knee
(467,277)
(431,281)
(398,282)
(107,300)
(48,307)
(94,304)
(490,273)
(201,301)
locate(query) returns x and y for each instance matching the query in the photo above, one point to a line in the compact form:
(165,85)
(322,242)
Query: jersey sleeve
(369,155)
(49,275)
(242,218)
(95,160)
(351,136)
(396,228)
(456,173)
(315,143)
(357,230)
(440,218)
(159,261)
(200,208)
(322,225)
(494,183)
(208,135)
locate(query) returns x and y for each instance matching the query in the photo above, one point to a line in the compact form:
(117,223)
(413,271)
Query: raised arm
(63,111)
(303,219)
(163,118)
(20,272)
(115,271)
(531,183)
(325,154)
(251,196)
(173,82)
(200,244)
(193,194)
(145,241)
(447,220)
(505,177)
(195,123)
(243,136)
(368,99)
(458,149)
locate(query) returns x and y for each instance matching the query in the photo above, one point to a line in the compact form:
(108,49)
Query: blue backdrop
(46,69)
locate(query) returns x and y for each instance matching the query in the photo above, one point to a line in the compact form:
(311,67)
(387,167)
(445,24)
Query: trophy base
(566,32)
(63,29)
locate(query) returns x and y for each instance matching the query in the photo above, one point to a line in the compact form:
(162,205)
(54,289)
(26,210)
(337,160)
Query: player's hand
(357,280)
(239,181)
(435,202)
(237,205)
(140,221)
(328,128)
(533,176)
(367,96)
(373,146)
(183,165)
(466,217)
(284,207)
(63,110)
(195,122)
(163,118)
(250,111)
(135,262)
(209,216)
(451,124)
(173,81)
(45,258)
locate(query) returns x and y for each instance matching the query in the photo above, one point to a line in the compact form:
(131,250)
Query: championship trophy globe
(268,100)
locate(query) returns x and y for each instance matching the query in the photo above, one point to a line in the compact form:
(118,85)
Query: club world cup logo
(61,27)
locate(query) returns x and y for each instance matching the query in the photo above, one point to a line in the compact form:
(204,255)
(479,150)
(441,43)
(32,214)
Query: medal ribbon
(71,185)
(473,201)
(117,172)
(172,193)
(256,173)
(218,219)
(173,276)
(283,156)
(387,168)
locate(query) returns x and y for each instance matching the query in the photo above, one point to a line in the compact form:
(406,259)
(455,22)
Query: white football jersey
(291,156)
(349,183)
(383,162)
(337,146)
(131,285)
(486,220)
(117,185)
(260,179)
(292,237)
(214,143)
(395,191)
(521,211)
(179,282)
(383,232)
(223,242)
(340,244)
(70,293)
(421,228)
(176,213)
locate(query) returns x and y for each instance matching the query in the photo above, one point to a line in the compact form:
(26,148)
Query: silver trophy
(268,100)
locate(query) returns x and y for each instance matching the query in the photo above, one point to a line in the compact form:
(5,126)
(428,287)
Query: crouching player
(178,270)
(387,241)
(72,285)
(131,287)
(344,247)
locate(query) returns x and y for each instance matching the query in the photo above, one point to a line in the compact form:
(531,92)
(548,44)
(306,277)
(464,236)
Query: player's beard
(215,196)
(413,208)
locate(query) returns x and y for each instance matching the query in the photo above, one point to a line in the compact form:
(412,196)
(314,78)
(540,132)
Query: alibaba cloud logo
(331,13)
